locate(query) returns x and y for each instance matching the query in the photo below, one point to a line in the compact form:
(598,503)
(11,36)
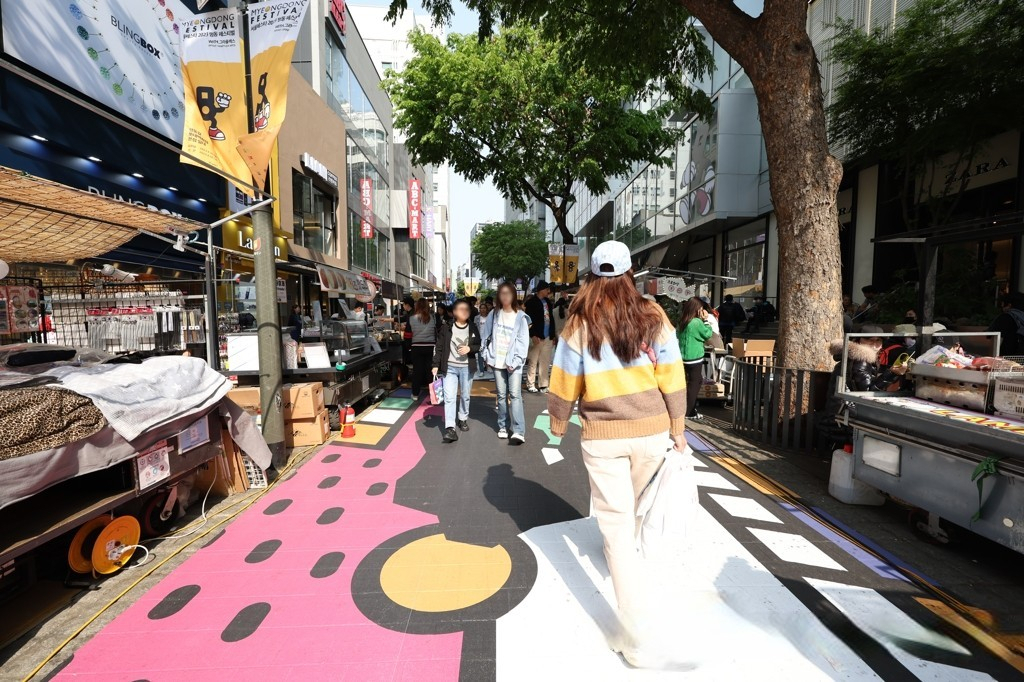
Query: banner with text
(415,217)
(214,77)
(273,28)
(366,201)
(428,223)
(556,263)
(572,263)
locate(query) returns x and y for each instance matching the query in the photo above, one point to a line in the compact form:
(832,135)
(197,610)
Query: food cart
(953,447)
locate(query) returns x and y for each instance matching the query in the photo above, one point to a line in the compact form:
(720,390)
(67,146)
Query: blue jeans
(510,385)
(458,385)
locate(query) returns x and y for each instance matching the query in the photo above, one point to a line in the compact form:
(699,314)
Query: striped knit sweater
(618,400)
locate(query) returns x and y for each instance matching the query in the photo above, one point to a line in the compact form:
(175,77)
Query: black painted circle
(262,551)
(327,565)
(329,516)
(245,622)
(277,507)
(329,482)
(331,458)
(371,463)
(175,601)
(371,600)
(376,489)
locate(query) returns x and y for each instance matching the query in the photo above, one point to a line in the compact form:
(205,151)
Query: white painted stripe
(795,548)
(552,455)
(745,508)
(708,479)
(383,416)
(881,619)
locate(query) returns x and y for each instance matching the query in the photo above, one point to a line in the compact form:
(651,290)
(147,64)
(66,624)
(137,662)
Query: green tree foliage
(653,45)
(505,251)
(510,107)
(943,81)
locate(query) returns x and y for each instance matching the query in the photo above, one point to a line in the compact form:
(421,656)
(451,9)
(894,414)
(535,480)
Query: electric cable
(249,501)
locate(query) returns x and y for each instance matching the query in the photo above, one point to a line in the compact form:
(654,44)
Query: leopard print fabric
(43,418)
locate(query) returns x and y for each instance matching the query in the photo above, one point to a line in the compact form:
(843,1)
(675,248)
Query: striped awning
(45,221)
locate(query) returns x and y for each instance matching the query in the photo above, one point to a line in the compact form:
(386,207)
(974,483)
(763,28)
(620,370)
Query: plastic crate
(1008,396)
(257,477)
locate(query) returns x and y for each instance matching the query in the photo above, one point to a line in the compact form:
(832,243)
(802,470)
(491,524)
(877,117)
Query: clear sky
(470,203)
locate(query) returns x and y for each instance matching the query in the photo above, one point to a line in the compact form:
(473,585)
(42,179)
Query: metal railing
(777,405)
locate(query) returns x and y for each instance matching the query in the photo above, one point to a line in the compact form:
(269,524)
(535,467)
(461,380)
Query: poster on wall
(415,217)
(214,90)
(123,54)
(273,27)
(366,202)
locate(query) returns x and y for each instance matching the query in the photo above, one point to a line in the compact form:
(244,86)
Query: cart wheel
(334,417)
(154,526)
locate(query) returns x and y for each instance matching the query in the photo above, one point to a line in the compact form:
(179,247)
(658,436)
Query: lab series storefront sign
(415,217)
(241,239)
(366,202)
(320,170)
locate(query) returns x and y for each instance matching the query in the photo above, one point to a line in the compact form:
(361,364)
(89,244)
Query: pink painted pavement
(313,629)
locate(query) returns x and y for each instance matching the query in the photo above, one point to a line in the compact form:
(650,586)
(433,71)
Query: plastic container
(844,487)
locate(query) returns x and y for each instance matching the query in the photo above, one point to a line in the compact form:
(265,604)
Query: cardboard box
(302,432)
(226,471)
(302,401)
(753,348)
(246,397)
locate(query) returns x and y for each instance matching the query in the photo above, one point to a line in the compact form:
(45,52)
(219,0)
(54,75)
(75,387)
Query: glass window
(314,215)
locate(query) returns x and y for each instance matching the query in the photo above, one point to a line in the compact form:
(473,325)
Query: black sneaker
(462,424)
(450,436)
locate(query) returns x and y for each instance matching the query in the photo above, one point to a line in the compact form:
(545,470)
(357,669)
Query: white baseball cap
(611,259)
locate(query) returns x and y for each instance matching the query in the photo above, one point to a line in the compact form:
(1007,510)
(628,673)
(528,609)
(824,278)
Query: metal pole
(268,324)
(212,329)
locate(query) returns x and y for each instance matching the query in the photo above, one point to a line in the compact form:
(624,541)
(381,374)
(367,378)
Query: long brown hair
(612,310)
(691,310)
(515,296)
(423,310)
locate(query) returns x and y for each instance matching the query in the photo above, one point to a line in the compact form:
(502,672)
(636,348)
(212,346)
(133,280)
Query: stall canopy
(44,221)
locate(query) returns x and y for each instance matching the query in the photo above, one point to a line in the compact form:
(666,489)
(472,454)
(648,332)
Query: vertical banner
(556,263)
(366,201)
(572,263)
(428,222)
(214,79)
(415,217)
(273,27)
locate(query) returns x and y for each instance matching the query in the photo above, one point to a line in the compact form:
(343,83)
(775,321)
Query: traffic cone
(348,422)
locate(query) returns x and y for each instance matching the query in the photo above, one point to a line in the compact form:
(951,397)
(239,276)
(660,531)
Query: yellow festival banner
(273,28)
(572,263)
(556,264)
(214,78)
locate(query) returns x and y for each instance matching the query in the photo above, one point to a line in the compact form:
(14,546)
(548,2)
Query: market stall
(952,443)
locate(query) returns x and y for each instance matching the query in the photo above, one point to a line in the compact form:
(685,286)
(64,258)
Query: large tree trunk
(561,214)
(777,54)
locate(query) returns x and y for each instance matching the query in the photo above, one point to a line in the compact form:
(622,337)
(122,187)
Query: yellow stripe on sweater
(564,385)
(671,376)
(619,382)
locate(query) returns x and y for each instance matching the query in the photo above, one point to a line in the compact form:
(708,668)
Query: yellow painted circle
(436,575)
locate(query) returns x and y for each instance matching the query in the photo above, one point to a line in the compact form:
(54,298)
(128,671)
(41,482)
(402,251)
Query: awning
(343,282)
(44,221)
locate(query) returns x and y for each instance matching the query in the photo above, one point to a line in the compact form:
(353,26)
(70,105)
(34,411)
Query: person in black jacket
(730,314)
(456,343)
(542,338)
(1010,325)
(863,373)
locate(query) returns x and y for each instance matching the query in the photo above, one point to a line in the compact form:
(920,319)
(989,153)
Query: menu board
(19,309)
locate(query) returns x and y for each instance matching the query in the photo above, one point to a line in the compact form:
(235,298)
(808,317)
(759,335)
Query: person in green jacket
(694,331)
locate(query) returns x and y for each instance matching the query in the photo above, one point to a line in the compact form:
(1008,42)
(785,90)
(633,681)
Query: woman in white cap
(619,358)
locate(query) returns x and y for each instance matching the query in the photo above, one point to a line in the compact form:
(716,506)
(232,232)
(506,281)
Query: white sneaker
(502,433)
(532,389)
(517,438)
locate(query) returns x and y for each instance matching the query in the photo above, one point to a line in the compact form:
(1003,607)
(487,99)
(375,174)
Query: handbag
(668,506)
(436,391)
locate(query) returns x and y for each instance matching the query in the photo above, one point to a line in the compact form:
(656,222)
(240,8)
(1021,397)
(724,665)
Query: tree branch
(732,28)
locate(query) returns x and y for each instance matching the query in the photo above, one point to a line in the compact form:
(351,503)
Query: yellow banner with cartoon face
(214,78)
(556,264)
(273,28)
(572,263)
